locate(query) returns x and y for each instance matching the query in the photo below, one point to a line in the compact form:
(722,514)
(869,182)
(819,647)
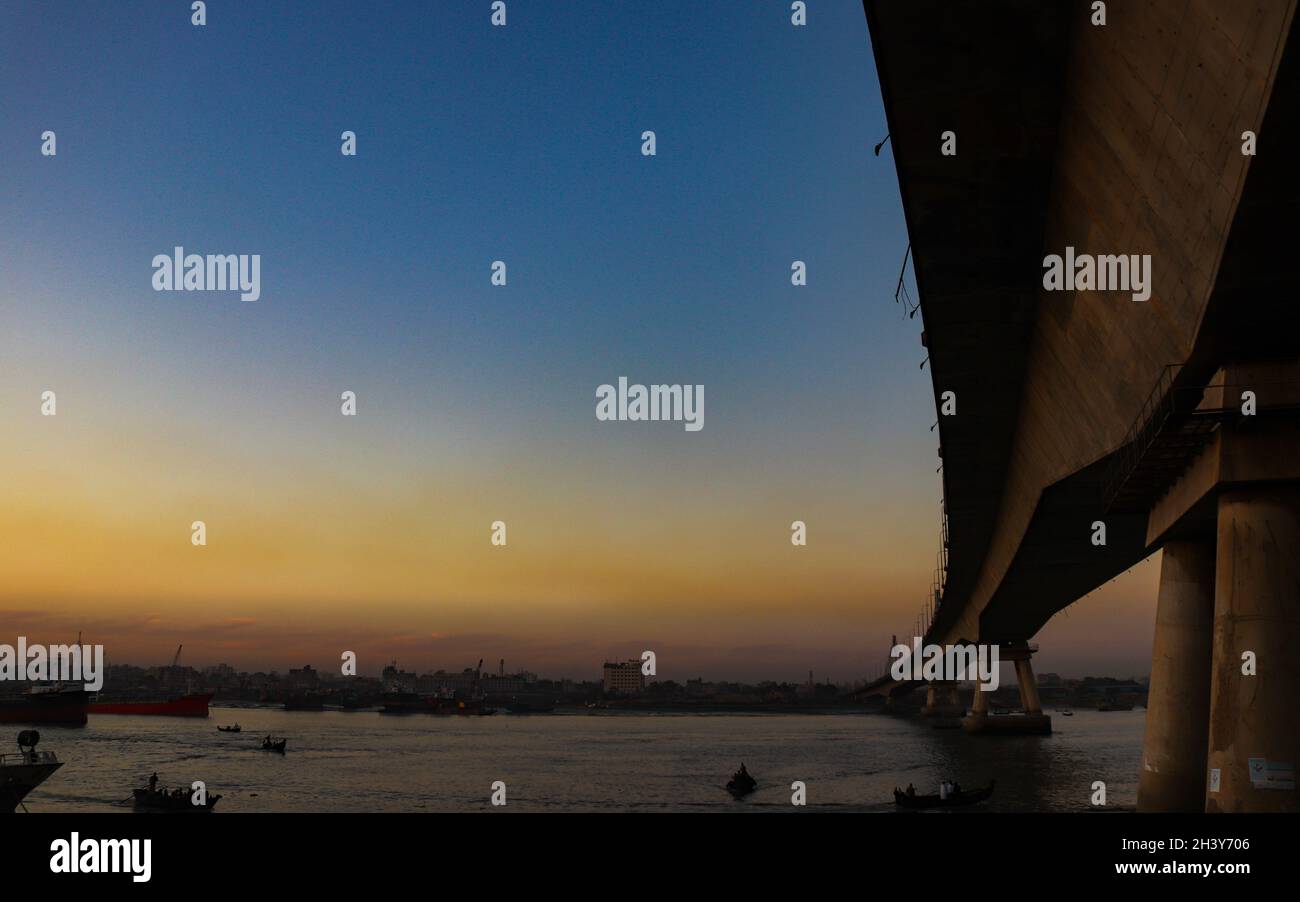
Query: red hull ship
(67,706)
(193,705)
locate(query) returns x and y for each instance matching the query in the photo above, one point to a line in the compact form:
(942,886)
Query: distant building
(303,678)
(698,688)
(443,681)
(174,676)
(502,684)
(808,689)
(220,675)
(624,678)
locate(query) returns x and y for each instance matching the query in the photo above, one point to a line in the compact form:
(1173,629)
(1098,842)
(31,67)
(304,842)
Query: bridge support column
(1254,745)
(1033,721)
(1173,774)
(1028,688)
(936,707)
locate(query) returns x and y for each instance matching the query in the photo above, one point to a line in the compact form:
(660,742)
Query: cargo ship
(194,704)
(153,702)
(46,704)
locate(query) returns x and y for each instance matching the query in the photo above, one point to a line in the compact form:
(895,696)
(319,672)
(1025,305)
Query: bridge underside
(1171,419)
(1124,138)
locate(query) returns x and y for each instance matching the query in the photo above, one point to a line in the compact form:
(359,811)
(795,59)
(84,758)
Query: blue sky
(476,144)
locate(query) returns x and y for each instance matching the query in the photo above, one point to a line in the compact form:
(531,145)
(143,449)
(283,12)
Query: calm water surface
(364,761)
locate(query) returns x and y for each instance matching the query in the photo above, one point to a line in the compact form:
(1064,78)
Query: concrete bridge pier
(1033,721)
(940,703)
(1028,688)
(1254,742)
(1173,774)
(1225,672)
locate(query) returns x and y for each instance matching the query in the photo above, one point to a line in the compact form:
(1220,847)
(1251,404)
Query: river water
(363,761)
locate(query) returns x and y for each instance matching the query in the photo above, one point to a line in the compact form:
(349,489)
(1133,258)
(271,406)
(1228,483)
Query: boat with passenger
(741,783)
(952,799)
(180,800)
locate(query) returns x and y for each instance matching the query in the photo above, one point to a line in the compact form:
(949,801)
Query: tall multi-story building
(303,678)
(624,678)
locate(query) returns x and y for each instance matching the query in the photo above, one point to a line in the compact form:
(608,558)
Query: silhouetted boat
(965,797)
(46,704)
(234,729)
(23,772)
(741,783)
(269,746)
(161,800)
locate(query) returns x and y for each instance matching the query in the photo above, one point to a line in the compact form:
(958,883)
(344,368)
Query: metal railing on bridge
(1174,423)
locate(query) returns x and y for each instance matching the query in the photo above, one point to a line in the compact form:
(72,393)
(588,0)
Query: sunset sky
(475,403)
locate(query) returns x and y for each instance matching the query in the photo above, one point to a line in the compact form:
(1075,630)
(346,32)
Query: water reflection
(364,761)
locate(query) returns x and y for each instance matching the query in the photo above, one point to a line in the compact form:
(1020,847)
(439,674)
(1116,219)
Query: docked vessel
(46,704)
(22,772)
(412,703)
(170,701)
(305,701)
(440,702)
(194,704)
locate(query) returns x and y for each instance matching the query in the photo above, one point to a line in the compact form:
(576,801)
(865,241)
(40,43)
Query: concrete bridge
(1092,429)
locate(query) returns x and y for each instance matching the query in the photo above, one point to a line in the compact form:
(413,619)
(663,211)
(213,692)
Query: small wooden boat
(741,783)
(161,800)
(234,729)
(269,746)
(965,797)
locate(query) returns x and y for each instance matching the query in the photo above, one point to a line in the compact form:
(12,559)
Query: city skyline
(152,644)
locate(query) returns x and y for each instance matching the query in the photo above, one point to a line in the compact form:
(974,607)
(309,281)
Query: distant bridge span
(1077,408)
